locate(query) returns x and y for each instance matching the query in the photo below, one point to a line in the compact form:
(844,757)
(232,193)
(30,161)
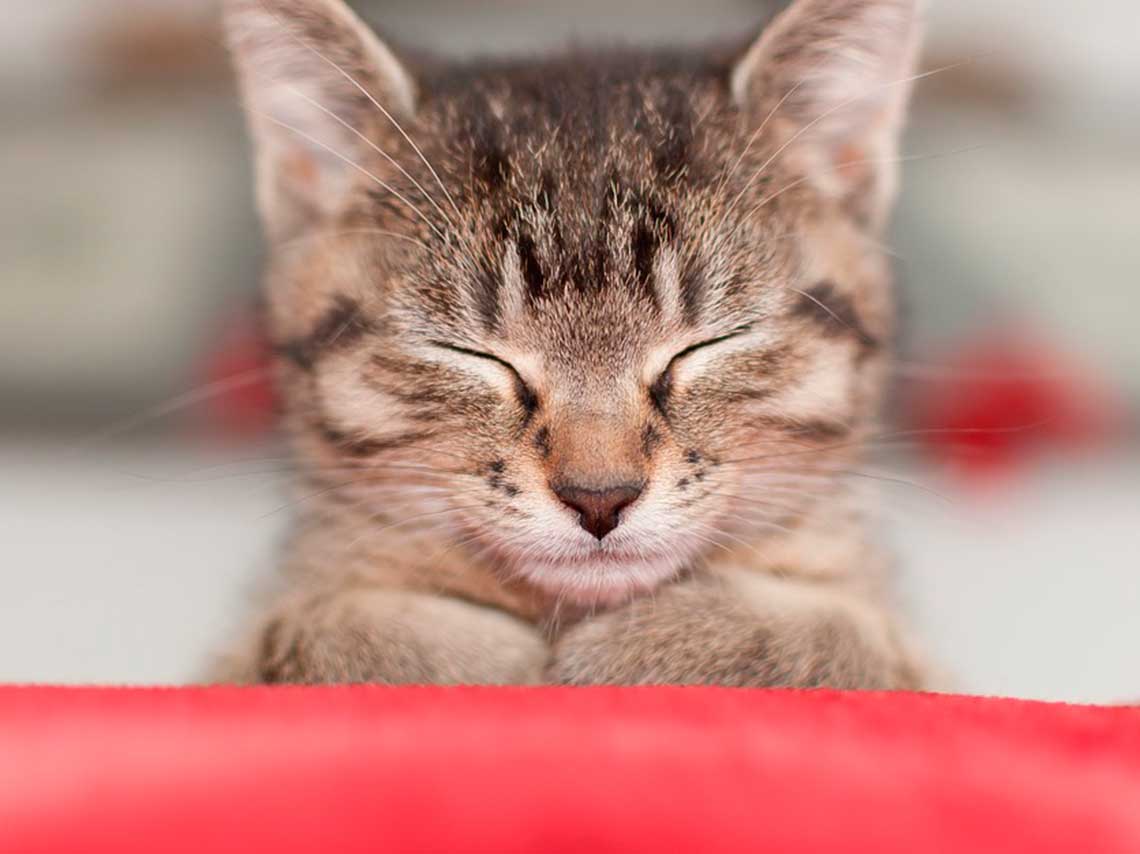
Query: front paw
(706,633)
(394,637)
(682,635)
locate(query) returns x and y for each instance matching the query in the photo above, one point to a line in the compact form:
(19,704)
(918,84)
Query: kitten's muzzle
(599,510)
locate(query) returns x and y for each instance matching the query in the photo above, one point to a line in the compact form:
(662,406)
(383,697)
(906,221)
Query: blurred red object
(557,770)
(1002,398)
(242,403)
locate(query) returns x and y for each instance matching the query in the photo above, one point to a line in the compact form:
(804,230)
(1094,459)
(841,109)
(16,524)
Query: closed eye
(661,388)
(526,396)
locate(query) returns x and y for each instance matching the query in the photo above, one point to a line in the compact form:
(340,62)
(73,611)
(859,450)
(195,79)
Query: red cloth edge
(367,768)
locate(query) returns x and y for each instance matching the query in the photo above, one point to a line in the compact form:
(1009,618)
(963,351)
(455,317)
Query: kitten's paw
(393,637)
(696,634)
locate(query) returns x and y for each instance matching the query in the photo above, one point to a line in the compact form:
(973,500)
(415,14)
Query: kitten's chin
(601,581)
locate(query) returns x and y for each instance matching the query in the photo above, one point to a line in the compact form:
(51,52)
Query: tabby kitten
(577,353)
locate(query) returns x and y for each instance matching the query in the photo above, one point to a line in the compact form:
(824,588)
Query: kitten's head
(591,316)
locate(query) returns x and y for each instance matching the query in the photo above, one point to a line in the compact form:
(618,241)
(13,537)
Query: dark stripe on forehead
(341,326)
(531,268)
(653,211)
(692,286)
(490,163)
(547,192)
(644,245)
(620,242)
(653,227)
(834,313)
(671,156)
(491,167)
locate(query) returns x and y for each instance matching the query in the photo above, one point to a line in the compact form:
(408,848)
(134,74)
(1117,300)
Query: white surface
(1031,591)
(110,577)
(111,574)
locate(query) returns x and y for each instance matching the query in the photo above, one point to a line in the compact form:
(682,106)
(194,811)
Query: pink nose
(599,510)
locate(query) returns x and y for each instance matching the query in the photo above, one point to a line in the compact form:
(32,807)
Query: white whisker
(869,161)
(759,130)
(350,162)
(182,401)
(364,91)
(329,235)
(433,514)
(826,114)
(375,148)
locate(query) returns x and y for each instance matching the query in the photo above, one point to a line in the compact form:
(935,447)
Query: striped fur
(594,270)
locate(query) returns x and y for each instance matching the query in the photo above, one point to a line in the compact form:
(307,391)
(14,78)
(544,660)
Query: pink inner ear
(850,163)
(300,169)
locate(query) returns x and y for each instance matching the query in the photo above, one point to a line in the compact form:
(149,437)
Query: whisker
(795,493)
(826,115)
(326,491)
(305,471)
(756,134)
(755,501)
(898,438)
(364,91)
(412,494)
(765,523)
(328,235)
(897,481)
(403,495)
(791,496)
(752,547)
(375,148)
(168,407)
(435,513)
(350,162)
(477,537)
(868,161)
(709,540)
(923,371)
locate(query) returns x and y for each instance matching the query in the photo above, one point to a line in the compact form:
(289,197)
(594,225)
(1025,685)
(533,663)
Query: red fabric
(553,770)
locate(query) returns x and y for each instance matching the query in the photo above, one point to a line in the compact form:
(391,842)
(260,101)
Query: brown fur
(629,274)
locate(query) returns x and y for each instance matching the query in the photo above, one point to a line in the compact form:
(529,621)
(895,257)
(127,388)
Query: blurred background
(141,489)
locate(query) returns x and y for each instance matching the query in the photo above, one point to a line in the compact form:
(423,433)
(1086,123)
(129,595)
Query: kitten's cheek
(343,398)
(823,391)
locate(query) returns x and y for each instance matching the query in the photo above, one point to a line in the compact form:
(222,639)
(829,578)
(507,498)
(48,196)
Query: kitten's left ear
(312,75)
(832,78)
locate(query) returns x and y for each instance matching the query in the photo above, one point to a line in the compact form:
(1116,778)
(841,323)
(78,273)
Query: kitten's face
(620,319)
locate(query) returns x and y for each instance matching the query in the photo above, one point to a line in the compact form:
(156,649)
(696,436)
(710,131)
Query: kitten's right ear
(310,72)
(829,80)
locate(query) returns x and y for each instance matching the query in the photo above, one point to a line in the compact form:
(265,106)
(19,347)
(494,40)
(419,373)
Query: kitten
(577,353)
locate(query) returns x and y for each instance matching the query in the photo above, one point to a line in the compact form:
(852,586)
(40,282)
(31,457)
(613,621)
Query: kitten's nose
(598,510)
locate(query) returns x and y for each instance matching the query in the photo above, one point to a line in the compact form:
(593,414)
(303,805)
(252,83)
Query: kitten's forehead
(590,213)
(578,106)
(590,336)
(579,185)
